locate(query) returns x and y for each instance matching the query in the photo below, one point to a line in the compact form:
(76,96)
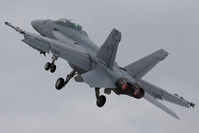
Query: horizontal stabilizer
(160,105)
(139,68)
(98,78)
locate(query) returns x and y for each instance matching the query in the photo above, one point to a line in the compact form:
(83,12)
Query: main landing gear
(52,65)
(61,83)
(101,99)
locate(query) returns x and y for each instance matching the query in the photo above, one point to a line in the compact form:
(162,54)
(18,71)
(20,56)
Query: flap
(160,105)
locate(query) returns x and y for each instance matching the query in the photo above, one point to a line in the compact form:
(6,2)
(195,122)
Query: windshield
(70,23)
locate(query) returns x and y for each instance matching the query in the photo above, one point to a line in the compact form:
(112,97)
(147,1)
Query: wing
(161,94)
(139,68)
(160,105)
(66,50)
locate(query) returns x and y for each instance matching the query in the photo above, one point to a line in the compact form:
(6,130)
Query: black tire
(47,66)
(52,68)
(101,100)
(59,84)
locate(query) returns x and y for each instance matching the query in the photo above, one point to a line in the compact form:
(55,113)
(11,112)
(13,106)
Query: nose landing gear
(52,65)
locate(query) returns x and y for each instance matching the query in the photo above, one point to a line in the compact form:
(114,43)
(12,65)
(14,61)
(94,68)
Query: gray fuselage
(49,28)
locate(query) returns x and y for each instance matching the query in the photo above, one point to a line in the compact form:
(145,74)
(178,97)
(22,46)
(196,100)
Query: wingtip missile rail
(192,105)
(15,28)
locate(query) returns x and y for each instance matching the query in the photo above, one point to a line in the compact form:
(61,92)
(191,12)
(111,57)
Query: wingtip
(177,117)
(6,23)
(165,52)
(192,105)
(162,54)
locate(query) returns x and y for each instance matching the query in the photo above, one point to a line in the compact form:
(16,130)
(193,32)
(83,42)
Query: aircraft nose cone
(38,24)
(35,24)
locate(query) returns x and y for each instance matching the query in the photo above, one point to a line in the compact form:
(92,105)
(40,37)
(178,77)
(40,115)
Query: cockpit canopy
(70,23)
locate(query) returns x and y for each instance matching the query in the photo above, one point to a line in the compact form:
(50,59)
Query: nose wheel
(100,99)
(51,66)
(60,83)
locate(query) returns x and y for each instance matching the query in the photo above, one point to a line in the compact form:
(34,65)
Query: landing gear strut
(52,65)
(101,99)
(61,83)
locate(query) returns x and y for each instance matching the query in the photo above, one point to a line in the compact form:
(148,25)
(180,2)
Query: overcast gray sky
(29,102)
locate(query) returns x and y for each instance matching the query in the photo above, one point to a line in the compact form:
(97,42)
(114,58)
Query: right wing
(158,93)
(139,68)
(66,50)
(160,105)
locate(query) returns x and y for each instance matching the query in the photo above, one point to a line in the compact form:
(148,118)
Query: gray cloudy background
(29,102)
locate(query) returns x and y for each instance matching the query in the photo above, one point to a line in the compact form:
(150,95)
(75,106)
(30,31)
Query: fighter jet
(96,66)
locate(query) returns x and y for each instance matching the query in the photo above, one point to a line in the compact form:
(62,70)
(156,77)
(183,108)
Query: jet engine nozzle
(132,89)
(138,93)
(123,84)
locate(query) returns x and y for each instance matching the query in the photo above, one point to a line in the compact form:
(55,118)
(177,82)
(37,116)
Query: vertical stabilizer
(108,50)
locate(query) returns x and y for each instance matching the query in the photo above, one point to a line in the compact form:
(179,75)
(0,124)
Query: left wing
(66,50)
(158,93)
(160,105)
